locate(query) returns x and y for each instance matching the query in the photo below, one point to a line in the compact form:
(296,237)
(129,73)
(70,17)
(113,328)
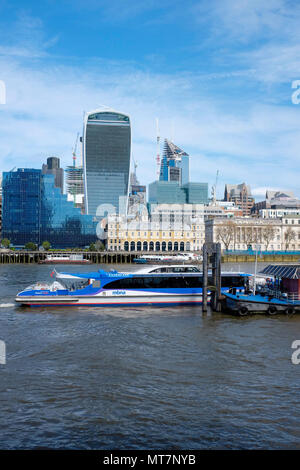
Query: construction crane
(134,170)
(75,149)
(214,190)
(158,150)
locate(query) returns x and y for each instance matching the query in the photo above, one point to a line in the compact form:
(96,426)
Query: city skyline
(221,87)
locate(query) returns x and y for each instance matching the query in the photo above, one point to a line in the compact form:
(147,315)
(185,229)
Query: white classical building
(242,233)
(168,227)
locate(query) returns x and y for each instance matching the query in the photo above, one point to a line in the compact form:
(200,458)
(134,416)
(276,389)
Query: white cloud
(247,20)
(253,142)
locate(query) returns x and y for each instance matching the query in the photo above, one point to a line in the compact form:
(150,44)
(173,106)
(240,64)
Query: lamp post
(255,270)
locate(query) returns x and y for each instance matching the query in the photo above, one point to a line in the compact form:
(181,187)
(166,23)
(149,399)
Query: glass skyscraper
(174,164)
(34,210)
(106,158)
(171,192)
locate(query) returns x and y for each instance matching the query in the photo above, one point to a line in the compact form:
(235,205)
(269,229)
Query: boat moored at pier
(156,285)
(280,294)
(65,259)
(166,259)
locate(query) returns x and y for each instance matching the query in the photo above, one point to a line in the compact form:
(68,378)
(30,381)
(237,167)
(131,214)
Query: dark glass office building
(34,210)
(106,157)
(171,192)
(53,168)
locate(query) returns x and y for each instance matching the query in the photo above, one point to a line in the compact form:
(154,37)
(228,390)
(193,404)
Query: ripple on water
(144,377)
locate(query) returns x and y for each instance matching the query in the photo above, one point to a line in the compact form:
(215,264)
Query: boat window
(232,281)
(75,284)
(156,282)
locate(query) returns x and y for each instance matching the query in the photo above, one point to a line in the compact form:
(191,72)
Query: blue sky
(216,73)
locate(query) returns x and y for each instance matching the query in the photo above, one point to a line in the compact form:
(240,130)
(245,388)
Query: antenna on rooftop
(158,149)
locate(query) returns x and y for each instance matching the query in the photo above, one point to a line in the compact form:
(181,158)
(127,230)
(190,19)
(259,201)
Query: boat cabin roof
(157,270)
(283,271)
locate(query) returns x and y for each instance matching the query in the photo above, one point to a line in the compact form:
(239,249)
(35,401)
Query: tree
(226,233)
(46,245)
(249,236)
(99,245)
(5,242)
(268,234)
(289,235)
(30,246)
(92,247)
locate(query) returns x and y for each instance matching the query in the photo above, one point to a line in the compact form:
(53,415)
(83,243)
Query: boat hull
(247,304)
(110,300)
(64,262)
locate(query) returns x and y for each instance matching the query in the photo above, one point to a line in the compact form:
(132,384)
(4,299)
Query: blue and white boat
(280,294)
(157,285)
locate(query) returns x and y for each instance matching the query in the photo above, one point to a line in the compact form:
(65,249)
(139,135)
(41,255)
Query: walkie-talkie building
(106,158)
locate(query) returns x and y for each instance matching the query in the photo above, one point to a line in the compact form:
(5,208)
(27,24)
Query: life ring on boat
(290,310)
(272,310)
(243,311)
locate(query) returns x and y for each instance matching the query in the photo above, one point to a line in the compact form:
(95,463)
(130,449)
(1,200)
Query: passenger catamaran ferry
(156,285)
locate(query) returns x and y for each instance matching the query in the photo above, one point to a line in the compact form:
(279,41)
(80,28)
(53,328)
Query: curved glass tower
(106,158)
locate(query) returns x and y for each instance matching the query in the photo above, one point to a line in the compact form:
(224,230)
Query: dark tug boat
(281,294)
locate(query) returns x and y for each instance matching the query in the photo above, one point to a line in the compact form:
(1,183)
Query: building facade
(137,193)
(106,158)
(167,228)
(240,194)
(174,164)
(53,168)
(172,192)
(34,210)
(243,233)
(284,201)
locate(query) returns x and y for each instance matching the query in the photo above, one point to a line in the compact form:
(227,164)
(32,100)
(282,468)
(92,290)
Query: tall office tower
(174,164)
(53,168)
(74,185)
(106,158)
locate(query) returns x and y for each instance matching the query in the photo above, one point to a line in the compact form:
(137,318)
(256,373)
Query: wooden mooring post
(212,256)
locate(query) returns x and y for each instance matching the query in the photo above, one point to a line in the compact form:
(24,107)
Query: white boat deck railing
(288,296)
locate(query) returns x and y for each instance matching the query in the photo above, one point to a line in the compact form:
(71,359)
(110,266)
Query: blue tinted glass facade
(34,210)
(106,155)
(166,192)
(170,192)
(174,164)
(21,205)
(62,224)
(196,193)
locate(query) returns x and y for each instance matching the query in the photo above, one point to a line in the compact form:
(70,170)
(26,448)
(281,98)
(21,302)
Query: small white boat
(179,257)
(65,259)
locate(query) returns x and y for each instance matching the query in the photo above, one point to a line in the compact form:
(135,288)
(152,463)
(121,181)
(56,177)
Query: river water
(143,378)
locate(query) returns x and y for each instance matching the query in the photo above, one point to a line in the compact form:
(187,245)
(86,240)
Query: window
(156,282)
